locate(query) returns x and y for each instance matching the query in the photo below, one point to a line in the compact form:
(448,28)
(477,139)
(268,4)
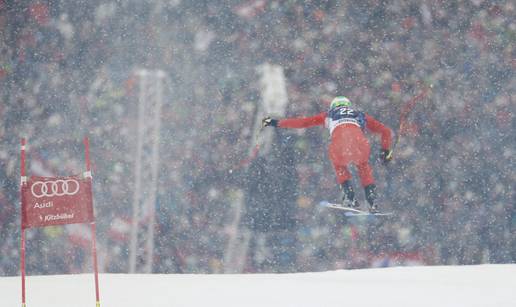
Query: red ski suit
(348,143)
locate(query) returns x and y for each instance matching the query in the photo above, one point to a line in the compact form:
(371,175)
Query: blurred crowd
(67,70)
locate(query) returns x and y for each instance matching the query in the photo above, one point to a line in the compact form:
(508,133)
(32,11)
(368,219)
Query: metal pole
(93,238)
(137,185)
(159,75)
(22,255)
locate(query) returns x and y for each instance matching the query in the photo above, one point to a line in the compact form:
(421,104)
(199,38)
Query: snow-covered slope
(440,286)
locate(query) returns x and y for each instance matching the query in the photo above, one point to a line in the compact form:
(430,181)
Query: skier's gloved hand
(386,155)
(267,121)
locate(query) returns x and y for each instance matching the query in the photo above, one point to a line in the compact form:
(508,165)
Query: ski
(352,211)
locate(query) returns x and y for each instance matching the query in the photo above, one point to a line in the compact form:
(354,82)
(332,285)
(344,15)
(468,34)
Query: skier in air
(348,145)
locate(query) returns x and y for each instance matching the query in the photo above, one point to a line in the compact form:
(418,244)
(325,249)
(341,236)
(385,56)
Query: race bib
(344,115)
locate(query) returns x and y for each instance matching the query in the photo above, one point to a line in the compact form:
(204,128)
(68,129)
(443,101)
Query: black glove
(267,121)
(386,155)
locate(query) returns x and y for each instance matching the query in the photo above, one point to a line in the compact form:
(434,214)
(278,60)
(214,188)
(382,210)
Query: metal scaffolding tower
(146,166)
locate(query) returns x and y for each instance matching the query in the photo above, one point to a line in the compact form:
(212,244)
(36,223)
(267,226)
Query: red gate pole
(23,180)
(93,239)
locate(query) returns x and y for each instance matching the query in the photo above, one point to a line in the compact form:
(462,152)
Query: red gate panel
(48,201)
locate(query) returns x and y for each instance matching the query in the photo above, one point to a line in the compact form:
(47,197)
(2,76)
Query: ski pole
(254,152)
(406,109)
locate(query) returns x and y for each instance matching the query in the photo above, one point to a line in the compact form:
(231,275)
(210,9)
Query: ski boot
(370,195)
(348,195)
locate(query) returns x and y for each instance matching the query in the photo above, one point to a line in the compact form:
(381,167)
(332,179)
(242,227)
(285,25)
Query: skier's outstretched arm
(296,122)
(385,133)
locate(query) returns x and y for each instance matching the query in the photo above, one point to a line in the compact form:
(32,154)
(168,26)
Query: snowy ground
(453,286)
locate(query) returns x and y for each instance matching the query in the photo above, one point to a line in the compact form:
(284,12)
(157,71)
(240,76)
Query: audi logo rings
(54,188)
